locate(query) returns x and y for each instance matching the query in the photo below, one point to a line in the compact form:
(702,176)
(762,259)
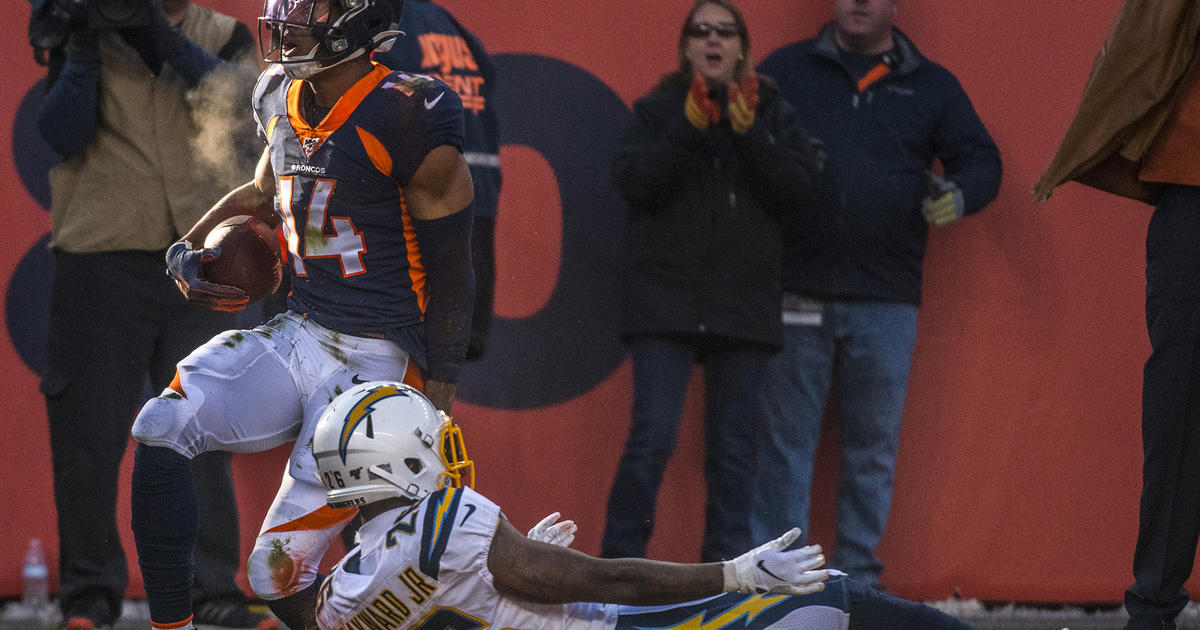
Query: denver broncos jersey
(355,263)
(426,569)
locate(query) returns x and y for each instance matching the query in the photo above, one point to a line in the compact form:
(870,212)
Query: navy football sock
(164,528)
(298,611)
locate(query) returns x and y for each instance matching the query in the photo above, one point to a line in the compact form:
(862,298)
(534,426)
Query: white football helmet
(384,439)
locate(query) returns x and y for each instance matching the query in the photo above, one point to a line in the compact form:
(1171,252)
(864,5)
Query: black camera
(50,21)
(117,13)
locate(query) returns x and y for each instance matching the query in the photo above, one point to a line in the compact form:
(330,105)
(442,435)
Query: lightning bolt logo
(362,411)
(738,616)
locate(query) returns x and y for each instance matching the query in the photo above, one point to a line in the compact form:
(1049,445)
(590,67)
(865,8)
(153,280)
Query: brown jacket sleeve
(1127,99)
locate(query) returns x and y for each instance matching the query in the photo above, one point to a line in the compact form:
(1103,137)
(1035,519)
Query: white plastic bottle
(35,575)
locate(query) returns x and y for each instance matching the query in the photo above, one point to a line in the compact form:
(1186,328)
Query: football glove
(743,98)
(945,202)
(699,108)
(183,265)
(769,569)
(547,531)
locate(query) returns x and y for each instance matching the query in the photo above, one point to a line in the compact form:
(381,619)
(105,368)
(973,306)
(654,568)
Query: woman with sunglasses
(711,162)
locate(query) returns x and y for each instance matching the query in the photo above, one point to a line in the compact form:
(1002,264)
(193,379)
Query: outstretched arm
(544,573)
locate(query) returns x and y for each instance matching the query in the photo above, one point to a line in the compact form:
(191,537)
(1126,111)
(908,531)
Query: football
(250,258)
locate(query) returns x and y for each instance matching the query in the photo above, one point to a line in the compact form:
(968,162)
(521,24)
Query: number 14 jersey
(356,266)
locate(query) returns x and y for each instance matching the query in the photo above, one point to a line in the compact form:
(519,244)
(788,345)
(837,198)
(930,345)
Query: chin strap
(383,41)
(309,69)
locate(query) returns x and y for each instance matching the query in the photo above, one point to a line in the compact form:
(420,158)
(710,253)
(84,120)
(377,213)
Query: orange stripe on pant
(320,518)
(414,376)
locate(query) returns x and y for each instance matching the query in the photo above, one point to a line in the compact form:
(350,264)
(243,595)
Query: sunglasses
(701,30)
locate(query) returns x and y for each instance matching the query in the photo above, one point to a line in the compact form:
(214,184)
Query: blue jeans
(865,348)
(661,369)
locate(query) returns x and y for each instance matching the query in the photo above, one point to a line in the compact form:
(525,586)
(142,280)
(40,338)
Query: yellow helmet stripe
(360,411)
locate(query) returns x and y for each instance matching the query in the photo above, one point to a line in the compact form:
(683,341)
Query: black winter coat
(704,216)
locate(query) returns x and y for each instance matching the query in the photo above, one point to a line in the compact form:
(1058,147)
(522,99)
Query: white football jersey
(427,570)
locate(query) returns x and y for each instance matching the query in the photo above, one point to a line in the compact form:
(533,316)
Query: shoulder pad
(270,79)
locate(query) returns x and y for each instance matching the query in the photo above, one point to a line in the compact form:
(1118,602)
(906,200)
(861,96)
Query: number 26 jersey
(427,569)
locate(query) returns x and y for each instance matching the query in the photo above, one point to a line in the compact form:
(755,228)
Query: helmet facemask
(341,30)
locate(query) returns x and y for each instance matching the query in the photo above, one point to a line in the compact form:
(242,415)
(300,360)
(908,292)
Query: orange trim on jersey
(172,625)
(321,518)
(873,75)
(271,126)
(416,268)
(311,138)
(414,376)
(375,150)
(177,384)
(283,246)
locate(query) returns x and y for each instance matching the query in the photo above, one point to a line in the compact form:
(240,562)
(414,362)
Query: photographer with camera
(132,88)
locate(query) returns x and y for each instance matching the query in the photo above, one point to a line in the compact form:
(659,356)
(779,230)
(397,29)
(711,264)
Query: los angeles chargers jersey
(427,570)
(352,251)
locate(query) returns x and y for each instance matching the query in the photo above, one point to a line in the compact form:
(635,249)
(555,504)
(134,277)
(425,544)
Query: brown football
(249,258)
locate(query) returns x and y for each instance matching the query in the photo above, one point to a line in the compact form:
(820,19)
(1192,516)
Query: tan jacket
(136,185)
(1128,99)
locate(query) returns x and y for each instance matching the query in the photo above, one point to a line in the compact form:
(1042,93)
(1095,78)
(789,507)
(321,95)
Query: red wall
(1019,465)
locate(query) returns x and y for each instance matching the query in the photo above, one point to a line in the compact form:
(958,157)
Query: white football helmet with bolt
(384,439)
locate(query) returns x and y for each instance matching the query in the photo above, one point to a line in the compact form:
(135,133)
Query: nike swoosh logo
(470,511)
(763,568)
(429,104)
(357,379)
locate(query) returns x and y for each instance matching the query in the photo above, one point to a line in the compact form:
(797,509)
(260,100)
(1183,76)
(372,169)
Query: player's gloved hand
(701,110)
(743,98)
(547,531)
(769,569)
(944,202)
(183,265)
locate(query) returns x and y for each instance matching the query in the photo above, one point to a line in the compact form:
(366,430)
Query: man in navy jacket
(852,267)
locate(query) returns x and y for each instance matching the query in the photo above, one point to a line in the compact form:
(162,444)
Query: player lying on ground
(435,554)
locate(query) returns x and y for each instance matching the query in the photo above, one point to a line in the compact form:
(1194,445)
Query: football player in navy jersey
(364,172)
